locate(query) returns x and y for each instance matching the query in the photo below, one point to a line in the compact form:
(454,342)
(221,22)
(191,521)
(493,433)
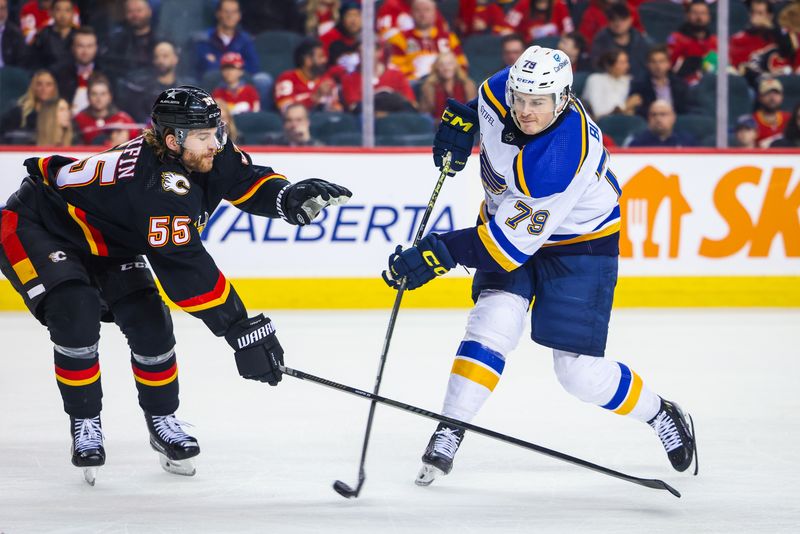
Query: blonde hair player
(549,228)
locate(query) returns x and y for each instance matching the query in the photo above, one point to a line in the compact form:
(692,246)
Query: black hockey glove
(418,265)
(300,203)
(455,135)
(258,353)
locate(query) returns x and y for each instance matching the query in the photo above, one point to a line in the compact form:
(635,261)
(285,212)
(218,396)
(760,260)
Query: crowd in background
(87,72)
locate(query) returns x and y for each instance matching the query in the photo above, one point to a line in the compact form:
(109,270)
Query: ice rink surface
(269,455)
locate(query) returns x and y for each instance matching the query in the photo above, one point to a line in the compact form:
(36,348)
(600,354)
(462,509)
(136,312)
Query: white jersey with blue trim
(555,190)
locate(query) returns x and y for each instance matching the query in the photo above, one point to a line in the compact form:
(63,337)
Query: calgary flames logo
(177,183)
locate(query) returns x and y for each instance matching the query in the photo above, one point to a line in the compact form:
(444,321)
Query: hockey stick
(341,488)
(646,482)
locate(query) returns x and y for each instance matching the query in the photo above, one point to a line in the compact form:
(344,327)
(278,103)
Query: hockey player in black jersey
(73,240)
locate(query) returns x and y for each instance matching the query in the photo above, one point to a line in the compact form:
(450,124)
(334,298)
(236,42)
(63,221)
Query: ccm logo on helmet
(454,120)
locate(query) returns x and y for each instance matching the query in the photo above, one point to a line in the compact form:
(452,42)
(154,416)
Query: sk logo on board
(643,196)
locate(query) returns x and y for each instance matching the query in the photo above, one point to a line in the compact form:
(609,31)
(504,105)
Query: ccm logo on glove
(454,120)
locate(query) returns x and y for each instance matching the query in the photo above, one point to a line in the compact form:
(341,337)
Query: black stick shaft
(392,320)
(646,482)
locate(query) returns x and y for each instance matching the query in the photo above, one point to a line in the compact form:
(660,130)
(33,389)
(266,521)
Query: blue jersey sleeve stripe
(605,232)
(603,158)
(613,215)
(622,389)
(481,353)
(493,250)
(519,177)
(507,246)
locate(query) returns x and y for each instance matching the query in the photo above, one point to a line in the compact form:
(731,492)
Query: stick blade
(344,490)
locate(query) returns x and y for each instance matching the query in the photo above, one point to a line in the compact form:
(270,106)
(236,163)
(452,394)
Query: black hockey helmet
(186,108)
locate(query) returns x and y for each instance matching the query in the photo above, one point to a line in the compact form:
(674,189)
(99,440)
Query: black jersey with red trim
(126,201)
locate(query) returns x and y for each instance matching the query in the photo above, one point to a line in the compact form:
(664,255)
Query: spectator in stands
(791,134)
(447,80)
(394,16)
(343,40)
(574,45)
(770,119)
(321,16)
(53,42)
(18,124)
(789,22)
(594,17)
(512,45)
(138,90)
(745,132)
(693,43)
(130,46)
(226,37)
(759,33)
(659,83)
(661,129)
(267,15)
(761,48)
(621,34)
(534,19)
(415,50)
(12,42)
(481,16)
(35,15)
(392,90)
(73,73)
(307,84)
(606,92)
(54,124)
(296,128)
(239,97)
(101,122)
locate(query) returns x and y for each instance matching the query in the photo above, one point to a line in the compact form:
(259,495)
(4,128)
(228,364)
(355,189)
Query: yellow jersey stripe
(584,136)
(493,250)
(254,189)
(211,303)
(25,270)
(482,213)
(476,373)
(521,183)
(607,231)
(492,100)
(633,396)
(86,232)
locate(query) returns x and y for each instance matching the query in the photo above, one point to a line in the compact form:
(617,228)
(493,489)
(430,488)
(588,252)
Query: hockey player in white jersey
(549,228)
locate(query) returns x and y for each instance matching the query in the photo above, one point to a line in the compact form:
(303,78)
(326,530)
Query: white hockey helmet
(541,71)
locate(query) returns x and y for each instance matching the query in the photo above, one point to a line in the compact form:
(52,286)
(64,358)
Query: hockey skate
(87,446)
(676,435)
(439,454)
(175,447)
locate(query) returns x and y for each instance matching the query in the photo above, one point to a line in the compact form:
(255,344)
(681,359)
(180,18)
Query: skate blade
(90,475)
(427,475)
(177,467)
